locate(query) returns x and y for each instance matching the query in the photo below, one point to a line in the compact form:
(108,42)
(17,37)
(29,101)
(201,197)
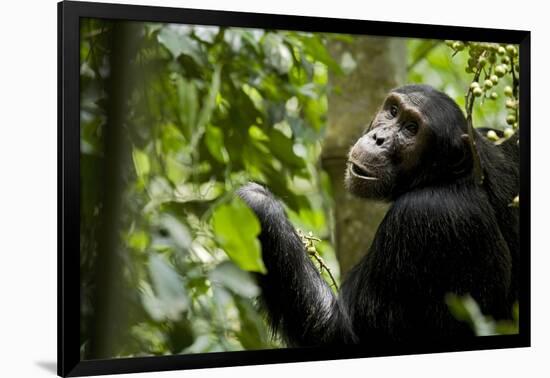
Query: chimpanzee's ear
(462,159)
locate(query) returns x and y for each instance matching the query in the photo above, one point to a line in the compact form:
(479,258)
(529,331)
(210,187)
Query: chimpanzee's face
(391,149)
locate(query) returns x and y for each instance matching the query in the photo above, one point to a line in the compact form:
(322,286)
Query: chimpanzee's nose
(378,139)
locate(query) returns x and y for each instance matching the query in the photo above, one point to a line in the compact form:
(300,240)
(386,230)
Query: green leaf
(172,138)
(177,230)
(238,281)
(175,171)
(214,143)
(314,47)
(206,191)
(277,53)
(466,309)
(505,327)
(177,41)
(457,307)
(236,228)
(282,148)
(139,240)
(202,344)
(167,298)
(187,103)
(141,163)
(233,37)
(257,134)
(206,33)
(252,333)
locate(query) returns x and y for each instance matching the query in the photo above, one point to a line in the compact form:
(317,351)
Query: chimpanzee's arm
(299,302)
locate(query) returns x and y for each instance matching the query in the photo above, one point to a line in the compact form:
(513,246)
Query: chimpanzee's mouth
(360,171)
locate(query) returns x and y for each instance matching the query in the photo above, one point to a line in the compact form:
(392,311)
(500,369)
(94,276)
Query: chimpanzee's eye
(411,127)
(393,110)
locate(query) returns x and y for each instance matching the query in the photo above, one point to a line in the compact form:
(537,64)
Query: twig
(515,87)
(309,244)
(470,99)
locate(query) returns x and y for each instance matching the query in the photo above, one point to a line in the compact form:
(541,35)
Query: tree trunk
(377,65)
(110,305)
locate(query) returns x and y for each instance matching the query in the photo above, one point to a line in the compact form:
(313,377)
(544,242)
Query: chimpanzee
(444,233)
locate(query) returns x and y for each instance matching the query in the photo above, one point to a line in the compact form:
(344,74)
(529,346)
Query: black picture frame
(69,13)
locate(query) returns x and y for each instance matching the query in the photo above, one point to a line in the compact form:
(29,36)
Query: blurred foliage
(210,109)
(465,309)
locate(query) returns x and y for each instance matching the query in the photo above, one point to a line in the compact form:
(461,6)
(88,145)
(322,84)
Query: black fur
(440,236)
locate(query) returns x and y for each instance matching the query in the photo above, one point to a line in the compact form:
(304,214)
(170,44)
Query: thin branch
(309,244)
(470,99)
(515,87)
